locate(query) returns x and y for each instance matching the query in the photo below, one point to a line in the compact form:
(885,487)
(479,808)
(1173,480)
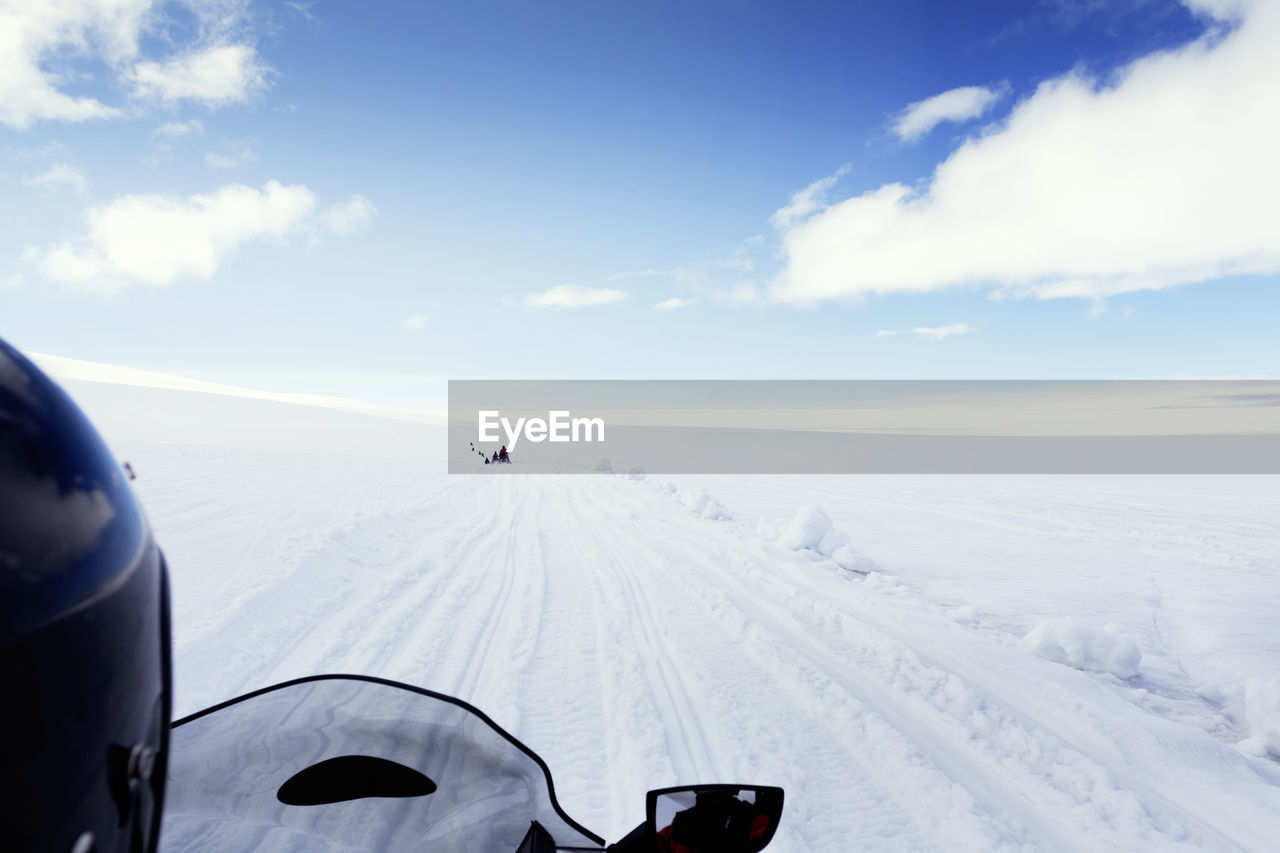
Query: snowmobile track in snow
(634,645)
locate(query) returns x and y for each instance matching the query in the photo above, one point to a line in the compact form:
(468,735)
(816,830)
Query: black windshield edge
(386,682)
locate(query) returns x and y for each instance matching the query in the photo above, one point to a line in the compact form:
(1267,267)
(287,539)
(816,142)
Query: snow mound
(1067,642)
(811,530)
(810,527)
(847,558)
(604,466)
(636,474)
(1262,707)
(703,505)
(966,614)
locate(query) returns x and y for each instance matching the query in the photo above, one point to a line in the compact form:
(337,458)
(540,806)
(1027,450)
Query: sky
(361,200)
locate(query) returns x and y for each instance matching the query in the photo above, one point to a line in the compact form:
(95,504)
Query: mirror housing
(713,818)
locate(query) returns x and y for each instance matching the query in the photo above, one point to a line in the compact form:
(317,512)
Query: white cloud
(937,333)
(349,216)
(31,32)
(157,239)
(39,35)
(1167,175)
(567,296)
(59,176)
(415,322)
(174,129)
(962,104)
(215,76)
(673,303)
(807,201)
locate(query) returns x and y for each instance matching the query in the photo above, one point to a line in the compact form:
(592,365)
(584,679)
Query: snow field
(896,688)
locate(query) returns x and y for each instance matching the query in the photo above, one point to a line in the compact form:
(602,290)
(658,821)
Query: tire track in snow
(562,689)
(930,697)
(824,694)
(455,634)
(690,756)
(506,635)
(380,598)
(270,629)
(1017,704)
(387,613)
(1024,726)
(790,649)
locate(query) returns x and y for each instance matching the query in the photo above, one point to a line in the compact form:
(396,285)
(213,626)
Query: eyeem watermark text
(558,426)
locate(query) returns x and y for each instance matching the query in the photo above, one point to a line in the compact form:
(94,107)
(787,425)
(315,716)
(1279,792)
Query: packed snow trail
(634,644)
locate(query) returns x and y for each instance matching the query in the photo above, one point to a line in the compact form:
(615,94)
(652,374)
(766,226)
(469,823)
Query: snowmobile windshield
(354,763)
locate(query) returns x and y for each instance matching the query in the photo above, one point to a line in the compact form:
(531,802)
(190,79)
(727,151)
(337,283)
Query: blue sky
(362,199)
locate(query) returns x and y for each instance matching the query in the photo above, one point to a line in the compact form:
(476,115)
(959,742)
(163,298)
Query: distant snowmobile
(345,762)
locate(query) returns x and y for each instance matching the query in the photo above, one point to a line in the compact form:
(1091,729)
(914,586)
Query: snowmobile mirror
(714,818)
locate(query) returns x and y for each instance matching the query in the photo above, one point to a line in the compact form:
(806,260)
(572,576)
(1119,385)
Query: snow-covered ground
(923,663)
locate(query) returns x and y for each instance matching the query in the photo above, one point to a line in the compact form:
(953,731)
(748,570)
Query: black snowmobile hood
(344,762)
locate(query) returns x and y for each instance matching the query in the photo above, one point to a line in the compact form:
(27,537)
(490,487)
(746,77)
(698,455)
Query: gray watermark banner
(864,427)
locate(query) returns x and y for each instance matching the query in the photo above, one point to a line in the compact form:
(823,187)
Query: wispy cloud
(303,9)
(731,278)
(218,67)
(1165,174)
(175,129)
(214,76)
(677,274)
(567,296)
(673,303)
(59,176)
(742,294)
(348,216)
(34,32)
(807,201)
(159,239)
(236,157)
(937,333)
(415,322)
(962,104)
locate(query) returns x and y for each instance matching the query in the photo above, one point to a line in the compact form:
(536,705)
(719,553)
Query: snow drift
(811,530)
(1262,706)
(1068,642)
